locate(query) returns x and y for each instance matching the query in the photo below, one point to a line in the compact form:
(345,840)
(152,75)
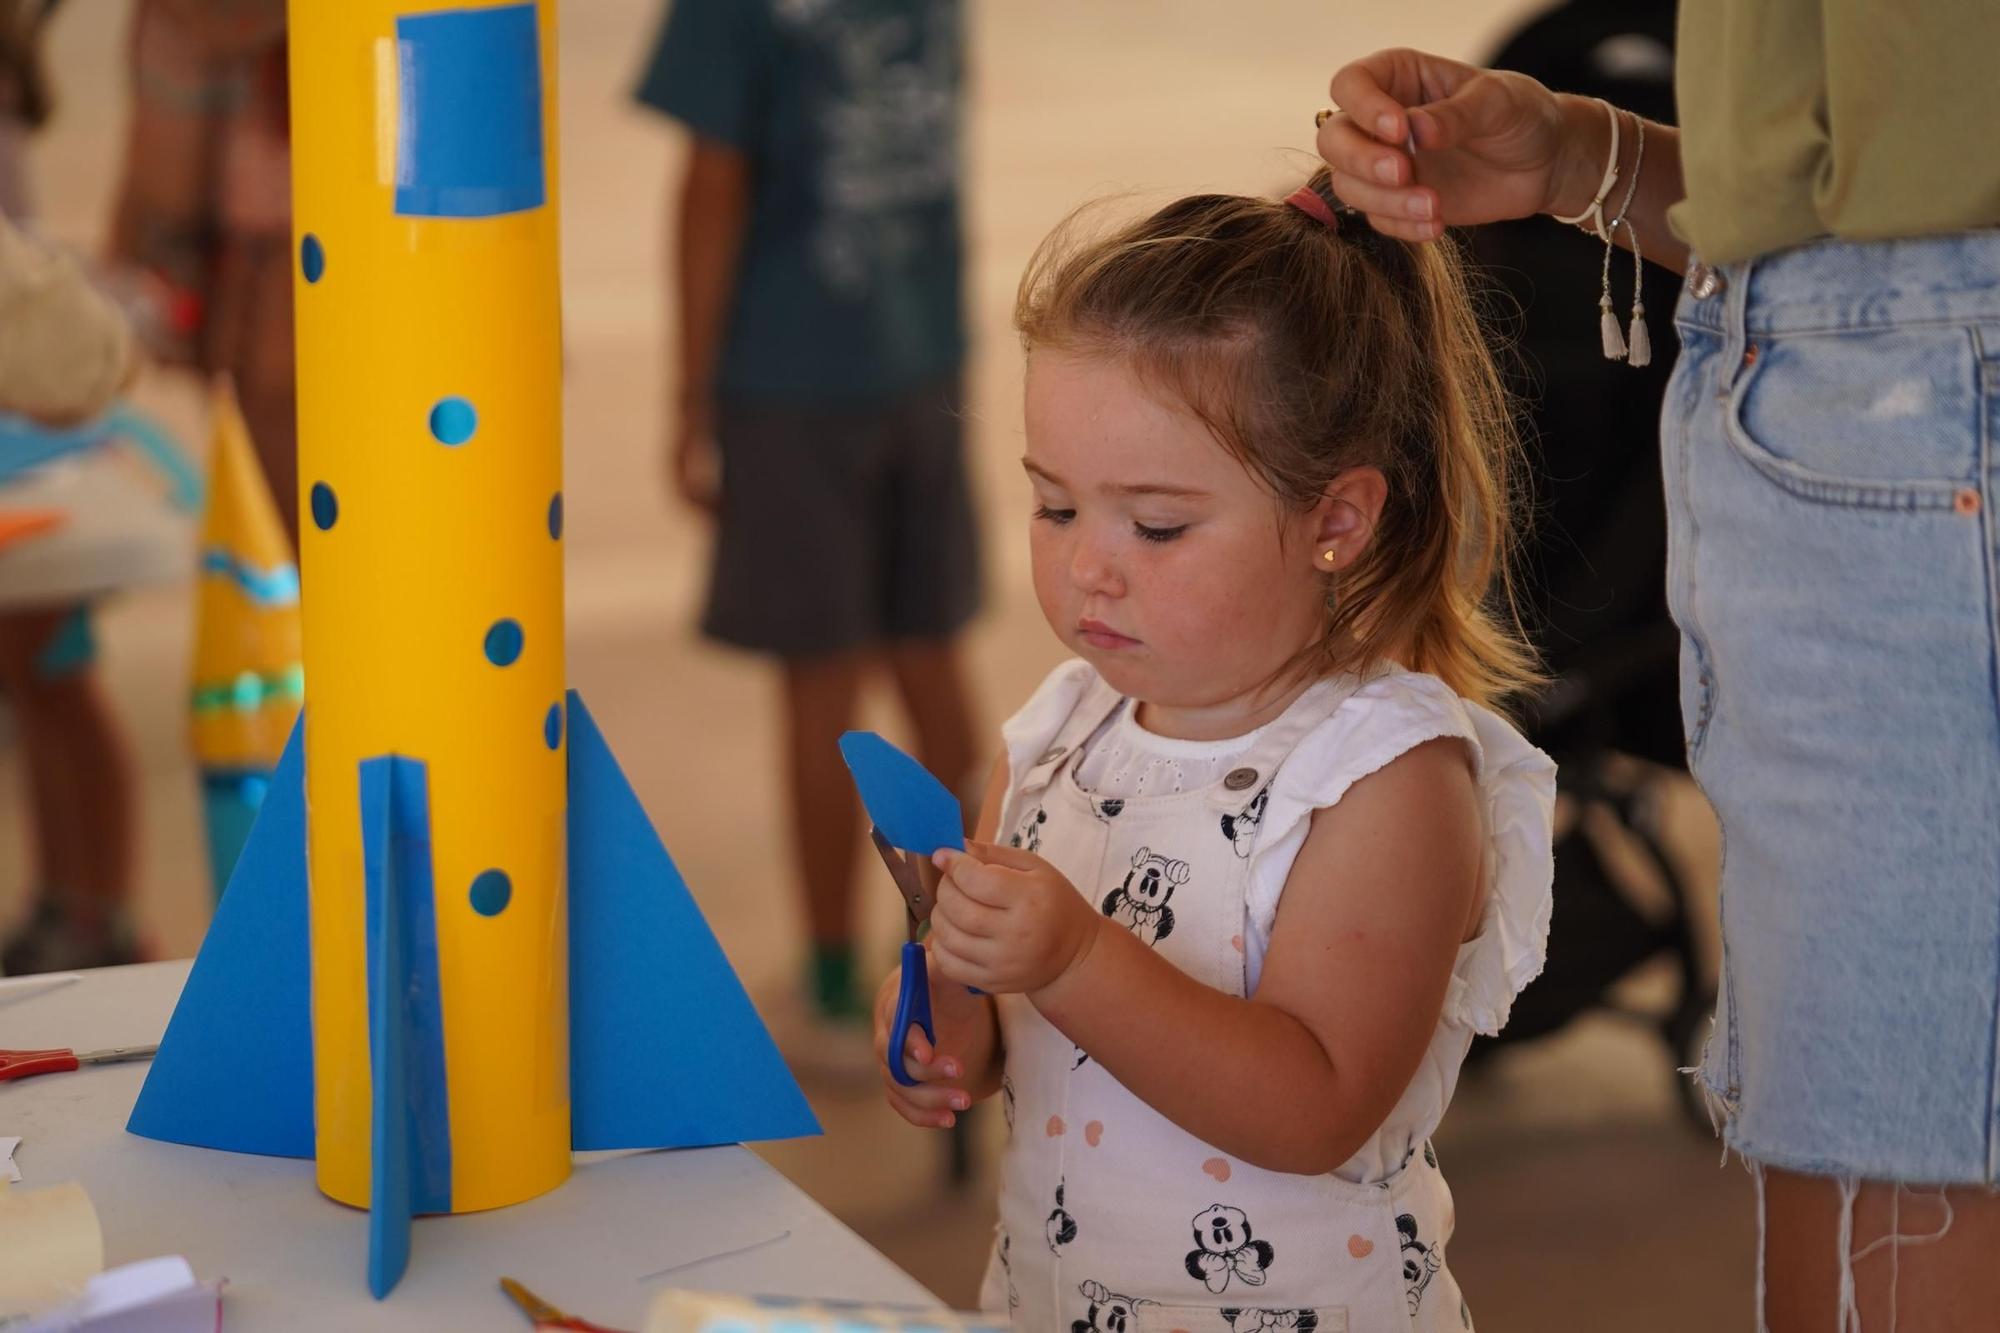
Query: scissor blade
(919,892)
(117,1055)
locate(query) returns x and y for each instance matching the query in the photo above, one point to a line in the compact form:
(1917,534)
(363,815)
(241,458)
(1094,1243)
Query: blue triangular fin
(246,1005)
(666,1050)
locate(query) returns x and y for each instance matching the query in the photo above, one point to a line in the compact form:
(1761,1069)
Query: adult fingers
(1409,204)
(1352,151)
(1376,90)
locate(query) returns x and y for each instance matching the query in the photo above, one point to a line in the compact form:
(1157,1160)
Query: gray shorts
(843,527)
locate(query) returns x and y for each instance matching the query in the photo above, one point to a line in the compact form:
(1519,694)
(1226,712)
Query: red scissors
(26,1064)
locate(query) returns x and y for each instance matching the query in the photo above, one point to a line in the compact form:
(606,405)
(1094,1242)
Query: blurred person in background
(202,228)
(817,420)
(65,352)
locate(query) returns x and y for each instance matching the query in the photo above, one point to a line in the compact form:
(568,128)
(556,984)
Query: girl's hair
(1307,350)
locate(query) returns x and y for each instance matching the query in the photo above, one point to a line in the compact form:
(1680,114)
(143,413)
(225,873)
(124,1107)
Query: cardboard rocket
(248,676)
(453,950)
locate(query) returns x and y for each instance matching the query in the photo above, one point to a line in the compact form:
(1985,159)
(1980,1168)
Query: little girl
(1269,860)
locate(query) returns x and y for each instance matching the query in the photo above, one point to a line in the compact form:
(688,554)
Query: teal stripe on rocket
(276,586)
(251,691)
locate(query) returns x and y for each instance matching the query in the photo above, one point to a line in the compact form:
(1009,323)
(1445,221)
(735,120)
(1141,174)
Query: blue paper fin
(913,809)
(666,1050)
(410,1148)
(235,1069)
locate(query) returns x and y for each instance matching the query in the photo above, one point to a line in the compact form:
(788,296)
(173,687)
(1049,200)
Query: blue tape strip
(469,135)
(412,1124)
(277,586)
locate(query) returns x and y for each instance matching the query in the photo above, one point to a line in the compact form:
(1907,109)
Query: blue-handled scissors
(917,880)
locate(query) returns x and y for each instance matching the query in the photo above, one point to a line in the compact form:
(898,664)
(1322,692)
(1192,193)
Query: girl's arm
(1297,1077)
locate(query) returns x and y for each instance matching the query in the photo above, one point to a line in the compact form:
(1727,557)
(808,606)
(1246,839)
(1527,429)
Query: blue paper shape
(666,1050)
(914,811)
(469,138)
(235,1068)
(411,1127)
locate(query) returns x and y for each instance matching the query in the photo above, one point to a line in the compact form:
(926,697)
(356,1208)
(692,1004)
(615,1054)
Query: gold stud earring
(1329,555)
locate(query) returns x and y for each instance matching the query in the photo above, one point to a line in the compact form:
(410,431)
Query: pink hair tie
(1308,201)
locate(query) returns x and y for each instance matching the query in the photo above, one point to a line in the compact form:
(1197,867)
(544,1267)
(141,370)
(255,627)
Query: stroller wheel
(1686,1033)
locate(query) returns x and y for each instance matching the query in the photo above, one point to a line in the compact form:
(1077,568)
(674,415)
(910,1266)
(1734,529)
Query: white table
(625,1226)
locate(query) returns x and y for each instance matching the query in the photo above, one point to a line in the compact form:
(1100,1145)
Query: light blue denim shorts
(1830,441)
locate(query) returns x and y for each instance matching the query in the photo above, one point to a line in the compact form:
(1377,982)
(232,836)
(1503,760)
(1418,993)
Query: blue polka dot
(491,892)
(552,726)
(325,506)
(312,257)
(503,643)
(453,421)
(555,516)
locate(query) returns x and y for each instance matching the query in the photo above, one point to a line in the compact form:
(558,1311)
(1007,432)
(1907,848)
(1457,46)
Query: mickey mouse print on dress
(1061,1228)
(1139,903)
(1226,1249)
(1028,837)
(1006,1255)
(1241,827)
(1107,1311)
(1421,1262)
(1271,1321)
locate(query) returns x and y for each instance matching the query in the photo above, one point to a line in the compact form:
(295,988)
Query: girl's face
(1158,558)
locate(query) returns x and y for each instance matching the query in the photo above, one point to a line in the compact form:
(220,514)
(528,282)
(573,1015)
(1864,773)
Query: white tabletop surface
(625,1225)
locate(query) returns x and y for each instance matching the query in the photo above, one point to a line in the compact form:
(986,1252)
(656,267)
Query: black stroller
(1595,567)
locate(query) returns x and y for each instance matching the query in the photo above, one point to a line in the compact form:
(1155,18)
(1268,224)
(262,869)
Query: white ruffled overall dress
(1113,1218)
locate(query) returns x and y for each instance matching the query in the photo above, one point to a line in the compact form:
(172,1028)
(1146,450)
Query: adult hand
(1491,144)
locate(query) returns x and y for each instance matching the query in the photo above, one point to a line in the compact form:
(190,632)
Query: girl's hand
(1007,921)
(1492,144)
(941,1075)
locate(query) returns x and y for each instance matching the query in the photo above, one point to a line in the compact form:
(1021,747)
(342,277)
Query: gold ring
(1324,114)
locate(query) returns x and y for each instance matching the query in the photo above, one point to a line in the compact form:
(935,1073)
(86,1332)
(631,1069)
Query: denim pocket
(1870,418)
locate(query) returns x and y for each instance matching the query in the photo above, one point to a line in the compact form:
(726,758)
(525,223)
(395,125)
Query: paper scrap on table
(7,1168)
(151,1296)
(50,1247)
(13,989)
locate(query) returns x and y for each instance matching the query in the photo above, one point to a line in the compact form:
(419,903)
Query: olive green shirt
(1861,119)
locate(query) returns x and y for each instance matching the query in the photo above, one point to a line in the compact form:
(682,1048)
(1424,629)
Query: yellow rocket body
(430,461)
